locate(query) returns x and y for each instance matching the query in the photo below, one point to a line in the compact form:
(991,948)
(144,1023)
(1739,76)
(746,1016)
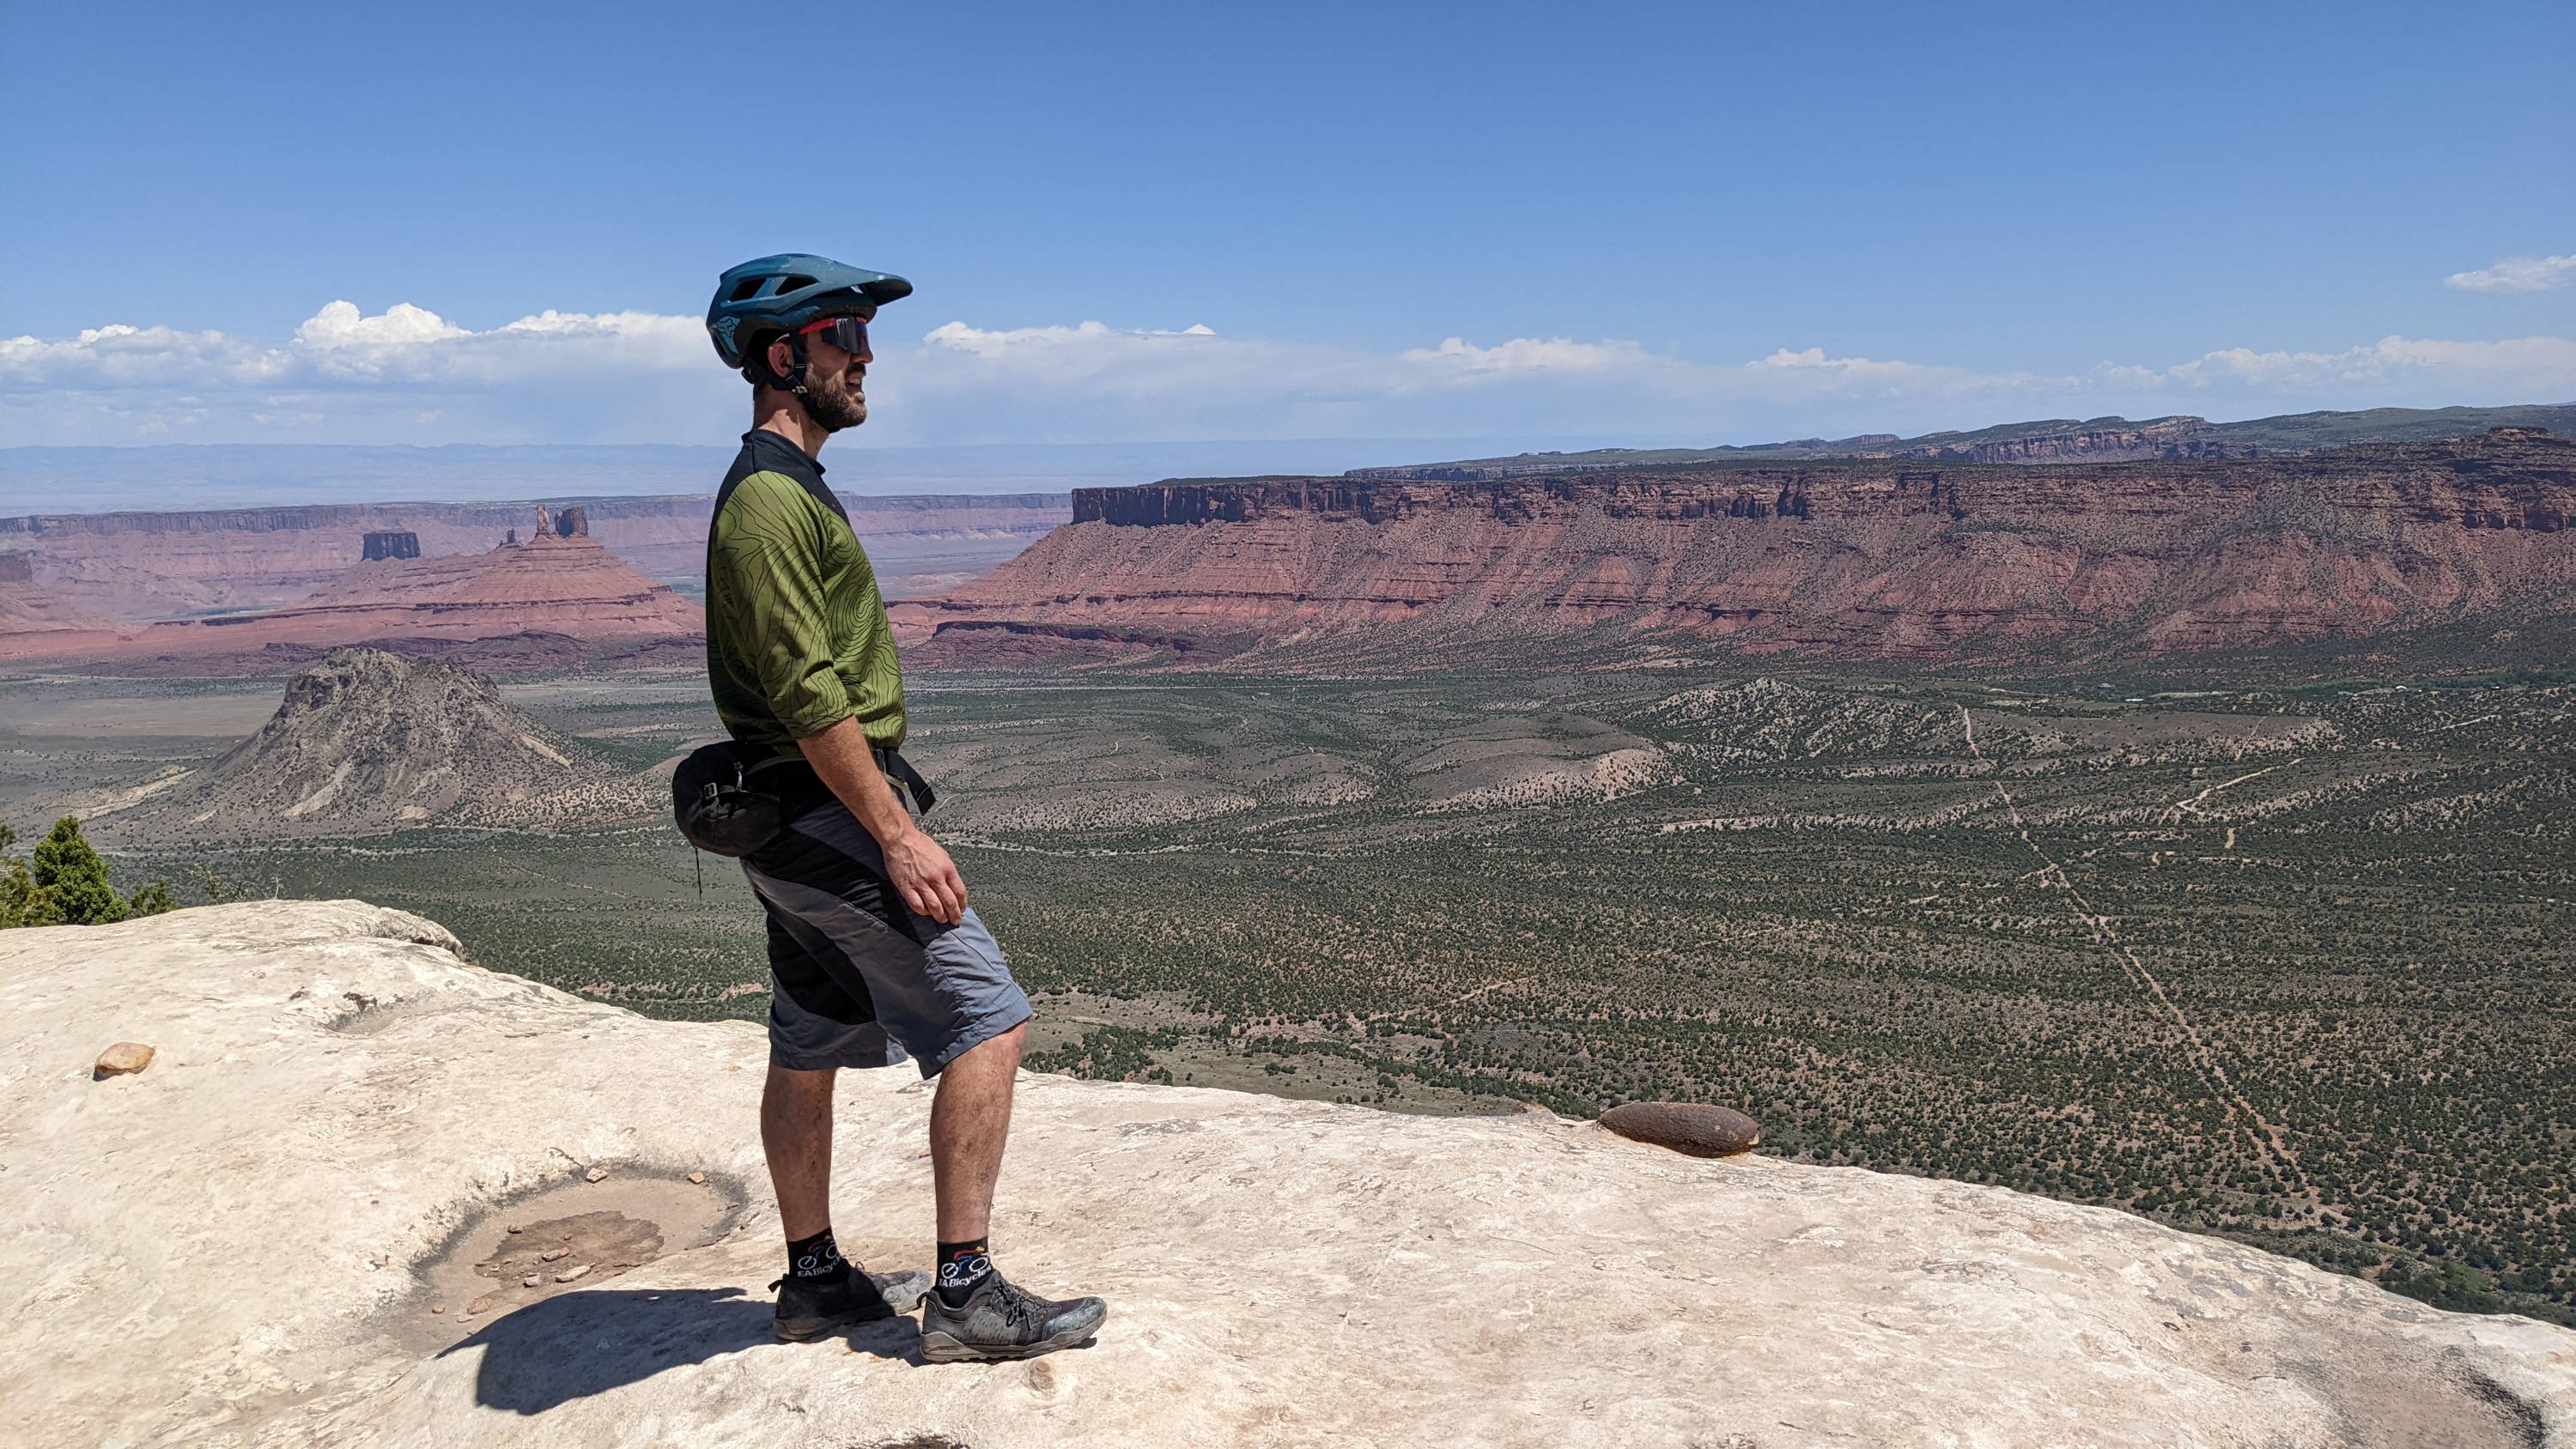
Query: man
(873,953)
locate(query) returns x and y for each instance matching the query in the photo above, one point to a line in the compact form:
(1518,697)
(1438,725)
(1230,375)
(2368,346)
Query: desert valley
(2183,834)
(2175,832)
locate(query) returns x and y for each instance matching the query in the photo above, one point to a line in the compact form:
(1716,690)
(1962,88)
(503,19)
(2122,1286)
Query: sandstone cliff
(159,565)
(564,596)
(27,606)
(246,1243)
(1850,559)
(2048,440)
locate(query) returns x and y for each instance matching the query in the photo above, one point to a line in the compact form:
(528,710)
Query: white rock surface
(236,1248)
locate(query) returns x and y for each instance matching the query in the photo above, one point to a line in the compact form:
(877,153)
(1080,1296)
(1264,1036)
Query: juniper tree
(76,878)
(22,903)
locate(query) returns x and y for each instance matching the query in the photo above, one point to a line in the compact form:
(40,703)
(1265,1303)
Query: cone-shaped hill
(369,741)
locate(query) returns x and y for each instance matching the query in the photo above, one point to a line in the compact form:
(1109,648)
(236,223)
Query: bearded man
(874,955)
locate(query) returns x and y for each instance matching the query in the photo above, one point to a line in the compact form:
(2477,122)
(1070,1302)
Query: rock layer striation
(1871,560)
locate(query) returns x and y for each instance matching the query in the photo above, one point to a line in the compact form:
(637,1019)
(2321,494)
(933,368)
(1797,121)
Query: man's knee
(786,1084)
(1007,1047)
(998,1054)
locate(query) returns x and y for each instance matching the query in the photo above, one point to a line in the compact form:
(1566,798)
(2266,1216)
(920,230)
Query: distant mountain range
(2048,440)
(200,476)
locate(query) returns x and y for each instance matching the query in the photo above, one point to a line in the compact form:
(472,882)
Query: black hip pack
(730,798)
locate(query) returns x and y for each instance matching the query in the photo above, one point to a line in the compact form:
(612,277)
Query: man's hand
(920,868)
(915,863)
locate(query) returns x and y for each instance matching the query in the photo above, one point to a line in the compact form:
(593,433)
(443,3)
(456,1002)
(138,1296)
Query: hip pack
(730,798)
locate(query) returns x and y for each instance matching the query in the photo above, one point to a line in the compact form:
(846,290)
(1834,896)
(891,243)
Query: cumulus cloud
(340,325)
(407,374)
(2517,274)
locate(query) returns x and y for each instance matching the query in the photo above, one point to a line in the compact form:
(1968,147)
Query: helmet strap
(795,378)
(756,368)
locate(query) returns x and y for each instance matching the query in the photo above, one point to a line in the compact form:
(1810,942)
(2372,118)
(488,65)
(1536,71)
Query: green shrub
(65,883)
(21,902)
(73,875)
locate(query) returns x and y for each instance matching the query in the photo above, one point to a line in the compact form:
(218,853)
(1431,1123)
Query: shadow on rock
(579,1344)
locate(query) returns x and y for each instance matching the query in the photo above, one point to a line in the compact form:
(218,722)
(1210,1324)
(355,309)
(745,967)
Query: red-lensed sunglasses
(850,334)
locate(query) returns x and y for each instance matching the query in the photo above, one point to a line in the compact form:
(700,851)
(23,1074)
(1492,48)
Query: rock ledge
(239,1247)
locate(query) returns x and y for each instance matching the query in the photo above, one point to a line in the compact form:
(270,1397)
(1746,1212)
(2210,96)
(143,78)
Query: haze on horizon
(1657,223)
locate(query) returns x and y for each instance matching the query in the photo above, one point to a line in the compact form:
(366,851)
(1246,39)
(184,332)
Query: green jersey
(797,638)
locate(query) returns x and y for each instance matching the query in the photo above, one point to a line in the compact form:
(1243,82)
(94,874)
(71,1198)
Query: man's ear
(782,357)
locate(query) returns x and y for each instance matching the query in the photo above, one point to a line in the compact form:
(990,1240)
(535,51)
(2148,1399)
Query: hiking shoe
(807,1309)
(1002,1320)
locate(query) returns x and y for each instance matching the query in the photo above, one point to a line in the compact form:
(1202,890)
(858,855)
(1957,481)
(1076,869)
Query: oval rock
(123,1059)
(1687,1127)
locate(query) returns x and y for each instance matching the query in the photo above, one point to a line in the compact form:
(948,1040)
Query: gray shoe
(807,1310)
(1001,1320)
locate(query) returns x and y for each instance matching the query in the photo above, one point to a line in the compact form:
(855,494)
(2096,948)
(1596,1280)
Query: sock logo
(963,1269)
(815,1257)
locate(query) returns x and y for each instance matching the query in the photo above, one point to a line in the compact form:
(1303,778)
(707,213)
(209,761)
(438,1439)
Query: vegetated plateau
(2288,963)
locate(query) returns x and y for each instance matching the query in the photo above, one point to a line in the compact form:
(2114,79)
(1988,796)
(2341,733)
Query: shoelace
(1020,1308)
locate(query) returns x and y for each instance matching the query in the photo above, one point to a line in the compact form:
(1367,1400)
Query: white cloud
(402,375)
(1531,354)
(2517,274)
(2511,369)
(340,325)
(409,375)
(123,356)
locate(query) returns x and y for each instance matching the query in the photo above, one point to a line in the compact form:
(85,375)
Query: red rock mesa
(1852,559)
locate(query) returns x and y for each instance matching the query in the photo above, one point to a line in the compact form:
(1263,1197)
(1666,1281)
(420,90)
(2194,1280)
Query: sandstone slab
(344,1110)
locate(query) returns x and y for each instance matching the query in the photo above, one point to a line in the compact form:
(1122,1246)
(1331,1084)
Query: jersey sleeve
(770,549)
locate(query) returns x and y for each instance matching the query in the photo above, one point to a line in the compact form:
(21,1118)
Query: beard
(832,405)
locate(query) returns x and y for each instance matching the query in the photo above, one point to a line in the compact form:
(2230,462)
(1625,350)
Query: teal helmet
(763,299)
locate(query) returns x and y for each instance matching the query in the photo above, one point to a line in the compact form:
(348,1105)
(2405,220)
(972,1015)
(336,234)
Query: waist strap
(801,789)
(894,766)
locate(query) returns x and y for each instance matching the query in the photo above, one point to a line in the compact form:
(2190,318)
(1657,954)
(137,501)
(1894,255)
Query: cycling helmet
(762,299)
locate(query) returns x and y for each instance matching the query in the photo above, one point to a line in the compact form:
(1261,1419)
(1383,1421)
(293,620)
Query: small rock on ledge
(1687,1127)
(121,1060)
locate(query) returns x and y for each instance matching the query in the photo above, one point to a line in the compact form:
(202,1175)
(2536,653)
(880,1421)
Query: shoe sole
(806,1330)
(939,1347)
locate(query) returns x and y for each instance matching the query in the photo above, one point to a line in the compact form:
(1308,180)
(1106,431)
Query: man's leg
(822,1290)
(796,1133)
(939,991)
(970,1124)
(972,1312)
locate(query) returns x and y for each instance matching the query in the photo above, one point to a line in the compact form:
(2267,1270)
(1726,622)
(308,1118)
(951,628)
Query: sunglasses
(850,334)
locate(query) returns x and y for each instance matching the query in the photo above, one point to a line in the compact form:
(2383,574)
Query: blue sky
(1719,222)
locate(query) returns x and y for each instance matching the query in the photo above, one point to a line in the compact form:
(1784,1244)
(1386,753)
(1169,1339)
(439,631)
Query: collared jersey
(797,638)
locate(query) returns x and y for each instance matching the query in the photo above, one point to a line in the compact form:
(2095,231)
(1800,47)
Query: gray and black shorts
(858,980)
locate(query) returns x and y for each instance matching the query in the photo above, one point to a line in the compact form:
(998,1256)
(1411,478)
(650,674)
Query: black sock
(817,1259)
(961,1267)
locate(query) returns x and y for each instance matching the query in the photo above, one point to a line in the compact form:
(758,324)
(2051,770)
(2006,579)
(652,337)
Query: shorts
(858,980)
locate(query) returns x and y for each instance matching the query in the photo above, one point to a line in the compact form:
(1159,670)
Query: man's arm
(765,547)
(917,865)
